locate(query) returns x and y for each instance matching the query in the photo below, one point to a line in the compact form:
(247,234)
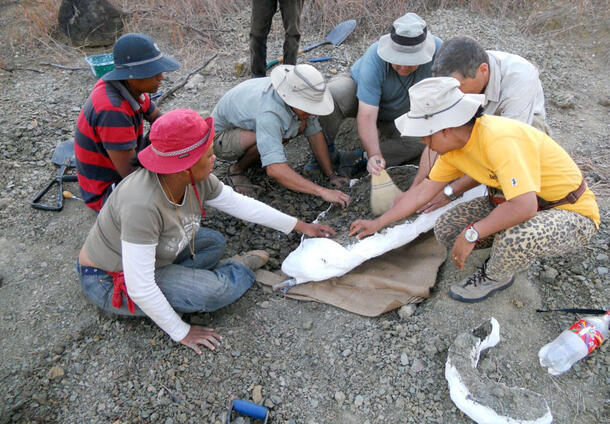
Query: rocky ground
(306,362)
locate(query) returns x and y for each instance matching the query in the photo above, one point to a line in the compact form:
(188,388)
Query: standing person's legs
(260,25)
(291,17)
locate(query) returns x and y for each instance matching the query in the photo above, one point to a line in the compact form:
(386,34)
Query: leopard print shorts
(551,232)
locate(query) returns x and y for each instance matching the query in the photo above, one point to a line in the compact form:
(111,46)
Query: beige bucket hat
(436,104)
(303,86)
(409,43)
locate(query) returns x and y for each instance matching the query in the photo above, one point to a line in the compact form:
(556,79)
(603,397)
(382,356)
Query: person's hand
(338,181)
(438,201)
(201,336)
(314,230)
(375,164)
(461,250)
(363,227)
(335,196)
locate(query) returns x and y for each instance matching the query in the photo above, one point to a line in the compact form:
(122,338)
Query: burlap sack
(401,276)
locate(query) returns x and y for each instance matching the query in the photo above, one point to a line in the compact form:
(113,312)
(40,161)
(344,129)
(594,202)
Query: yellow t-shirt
(517,159)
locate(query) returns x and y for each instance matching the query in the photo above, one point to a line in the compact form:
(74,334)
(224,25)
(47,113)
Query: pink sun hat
(177,140)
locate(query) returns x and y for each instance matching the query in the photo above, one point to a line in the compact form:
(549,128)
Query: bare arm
(459,186)
(412,200)
(367,129)
(154,115)
(121,159)
(284,175)
(320,151)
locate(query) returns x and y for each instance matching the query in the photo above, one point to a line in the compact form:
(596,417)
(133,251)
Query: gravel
(63,361)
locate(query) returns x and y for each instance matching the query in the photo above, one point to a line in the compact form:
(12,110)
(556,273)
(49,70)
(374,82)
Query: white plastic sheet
(318,259)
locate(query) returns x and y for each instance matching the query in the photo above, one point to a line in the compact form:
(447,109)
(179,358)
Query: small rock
(417,366)
(602,270)
(269,403)
(404,360)
(241,67)
(347,352)
(59,349)
(602,257)
(55,373)
(549,274)
(340,398)
(333,71)
(307,324)
(564,100)
(406,311)
(518,303)
(358,401)
(265,304)
(235,353)
(3,204)
(257,394)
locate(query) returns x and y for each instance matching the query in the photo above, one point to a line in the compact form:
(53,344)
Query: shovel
(64,157)
(335,37)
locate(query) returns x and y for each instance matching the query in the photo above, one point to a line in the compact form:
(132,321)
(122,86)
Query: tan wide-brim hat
(303,87)
(436,104)
(409,43)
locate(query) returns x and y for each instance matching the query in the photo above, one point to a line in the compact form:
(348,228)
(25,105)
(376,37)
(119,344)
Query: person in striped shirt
(109,130)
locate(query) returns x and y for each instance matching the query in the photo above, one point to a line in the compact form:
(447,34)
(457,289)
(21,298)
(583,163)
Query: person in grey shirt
(511,86)
(254,119)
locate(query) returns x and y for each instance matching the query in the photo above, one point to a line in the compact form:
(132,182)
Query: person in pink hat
(147,253)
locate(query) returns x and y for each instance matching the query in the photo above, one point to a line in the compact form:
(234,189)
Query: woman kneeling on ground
(147,254)
(546,208)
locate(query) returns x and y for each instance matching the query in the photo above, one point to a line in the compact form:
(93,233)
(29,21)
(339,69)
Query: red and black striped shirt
(111,119)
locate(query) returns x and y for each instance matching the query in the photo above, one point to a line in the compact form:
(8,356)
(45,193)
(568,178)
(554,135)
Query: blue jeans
(189,285)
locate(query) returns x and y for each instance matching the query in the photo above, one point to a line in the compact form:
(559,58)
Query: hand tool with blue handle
(248,409)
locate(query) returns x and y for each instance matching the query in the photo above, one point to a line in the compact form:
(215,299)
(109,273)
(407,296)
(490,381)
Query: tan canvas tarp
(401,276)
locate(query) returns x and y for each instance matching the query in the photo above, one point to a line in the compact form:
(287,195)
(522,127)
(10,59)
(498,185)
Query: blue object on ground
(248,409)
(320,59)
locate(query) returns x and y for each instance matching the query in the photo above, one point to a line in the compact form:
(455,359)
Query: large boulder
(90,23)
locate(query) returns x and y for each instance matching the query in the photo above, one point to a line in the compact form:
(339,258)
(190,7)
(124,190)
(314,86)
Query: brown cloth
(401,276)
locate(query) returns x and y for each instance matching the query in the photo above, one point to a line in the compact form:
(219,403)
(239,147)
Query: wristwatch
(471,235)
(448,190)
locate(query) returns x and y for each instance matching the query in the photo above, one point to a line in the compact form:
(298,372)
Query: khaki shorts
(227,144)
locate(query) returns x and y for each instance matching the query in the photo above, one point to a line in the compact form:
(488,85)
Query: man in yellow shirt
(545,203)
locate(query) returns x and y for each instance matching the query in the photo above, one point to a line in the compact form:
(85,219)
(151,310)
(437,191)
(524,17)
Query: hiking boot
(478,286)
(312,168)
(254,259)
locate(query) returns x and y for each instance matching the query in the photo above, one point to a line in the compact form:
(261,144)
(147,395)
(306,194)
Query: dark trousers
(262,16)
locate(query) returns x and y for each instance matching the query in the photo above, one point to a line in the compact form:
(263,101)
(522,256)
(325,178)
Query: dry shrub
(36,20)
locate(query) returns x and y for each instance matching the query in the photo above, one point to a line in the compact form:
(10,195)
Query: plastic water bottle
(573,344)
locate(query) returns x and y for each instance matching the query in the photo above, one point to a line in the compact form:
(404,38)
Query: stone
(89,23)
(602,257)
(4,204)
(241,67)
(257,394)
(602,270)
(340,398)
(417,366)
(564,100)
(407,311)
(307,324)
(549,274)
(404,360)
(194,82)
(55,373)
(358,401)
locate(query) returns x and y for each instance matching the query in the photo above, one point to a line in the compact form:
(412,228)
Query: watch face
(471,235)
(448,191)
